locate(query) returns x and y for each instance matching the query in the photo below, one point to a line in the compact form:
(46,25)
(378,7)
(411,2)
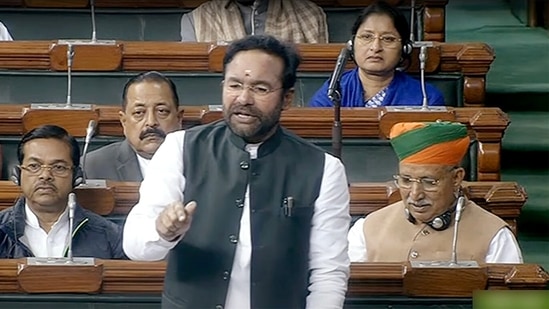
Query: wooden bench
(464,65)
(362,127)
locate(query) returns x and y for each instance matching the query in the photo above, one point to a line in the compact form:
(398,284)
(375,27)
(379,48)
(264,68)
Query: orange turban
(430,142)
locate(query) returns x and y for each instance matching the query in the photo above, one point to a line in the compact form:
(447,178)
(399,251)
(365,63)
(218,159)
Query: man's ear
(122,118)
(459,176)
(288,98)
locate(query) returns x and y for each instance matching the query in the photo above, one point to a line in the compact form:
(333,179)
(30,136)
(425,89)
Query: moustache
(419,203)
(45,185)
(152,131)
(246,110)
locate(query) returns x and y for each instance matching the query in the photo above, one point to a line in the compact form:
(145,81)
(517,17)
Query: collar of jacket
(16,225)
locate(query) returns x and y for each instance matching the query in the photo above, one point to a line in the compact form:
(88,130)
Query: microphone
(90,130)
(412,20)
(70,55)
(94,33)
(333,88)
(459,208)
(334,94)
(89,183)
(422,61)
(71,205)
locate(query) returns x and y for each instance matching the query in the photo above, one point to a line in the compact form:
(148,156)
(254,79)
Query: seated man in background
(38,224)
(4,33)
(298,21)
(381,49)
(420,227)
(149,111)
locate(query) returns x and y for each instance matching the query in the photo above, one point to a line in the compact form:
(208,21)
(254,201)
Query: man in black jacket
(38,224)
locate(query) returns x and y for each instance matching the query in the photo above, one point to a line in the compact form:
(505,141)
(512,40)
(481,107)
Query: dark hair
(384,8)
(151,76)
(50,131)
(269,44)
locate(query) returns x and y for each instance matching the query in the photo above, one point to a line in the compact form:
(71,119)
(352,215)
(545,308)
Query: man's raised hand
(175,220)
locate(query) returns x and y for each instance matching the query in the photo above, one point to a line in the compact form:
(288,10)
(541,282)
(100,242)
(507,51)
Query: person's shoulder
(6,215)
(478,211)
(104,150)
(382,213)
(98,222)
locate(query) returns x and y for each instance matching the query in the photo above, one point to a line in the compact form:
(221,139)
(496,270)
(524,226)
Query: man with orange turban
(418,227)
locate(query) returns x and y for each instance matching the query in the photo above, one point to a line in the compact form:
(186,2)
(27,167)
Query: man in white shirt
(38,224)
(150,110)
(266,213)
(4,33)
(418,228)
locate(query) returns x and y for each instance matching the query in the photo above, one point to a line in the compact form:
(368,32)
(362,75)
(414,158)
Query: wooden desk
(129,282)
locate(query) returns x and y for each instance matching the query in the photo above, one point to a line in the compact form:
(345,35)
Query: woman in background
(380,47)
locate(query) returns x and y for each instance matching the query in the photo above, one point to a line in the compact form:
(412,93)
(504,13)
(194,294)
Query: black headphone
(438,223)
(77,176)
(407,47)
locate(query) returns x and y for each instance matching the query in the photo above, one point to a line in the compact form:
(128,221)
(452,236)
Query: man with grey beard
(247,214)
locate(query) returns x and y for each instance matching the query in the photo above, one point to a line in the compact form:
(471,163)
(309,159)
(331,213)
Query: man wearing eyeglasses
(248,214)
(38,224)
(418,227)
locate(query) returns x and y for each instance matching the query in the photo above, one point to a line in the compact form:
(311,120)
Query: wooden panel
(56,3)
(168,56)
(87,57)
(132,277)
(74,121)
(11,3)
(504,199)
(486,125)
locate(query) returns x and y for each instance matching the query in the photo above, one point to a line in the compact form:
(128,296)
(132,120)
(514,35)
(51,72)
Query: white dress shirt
(503,247)
(42,244)
(328,259)
(4,33)
(143,164)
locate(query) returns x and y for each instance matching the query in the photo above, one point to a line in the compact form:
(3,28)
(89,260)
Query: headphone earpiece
(351,47)
(15,176)
(407,48)
(77,177)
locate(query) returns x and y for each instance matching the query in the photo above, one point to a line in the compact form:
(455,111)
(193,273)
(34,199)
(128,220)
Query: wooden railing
(486,125)
(504,199)
(473,60)
(131,277)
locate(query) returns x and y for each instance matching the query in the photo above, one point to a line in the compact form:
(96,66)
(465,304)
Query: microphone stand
(336,127)
(89,183)
(69,260)
(334,94)
(70,55)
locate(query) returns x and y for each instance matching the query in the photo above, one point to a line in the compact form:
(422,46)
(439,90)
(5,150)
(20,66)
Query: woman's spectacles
(386,40)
